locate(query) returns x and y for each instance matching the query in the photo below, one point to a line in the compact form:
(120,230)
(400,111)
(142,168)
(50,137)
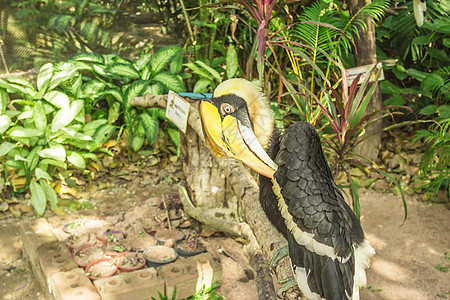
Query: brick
(34,234)
(188,275)
(141,284)
(73,285)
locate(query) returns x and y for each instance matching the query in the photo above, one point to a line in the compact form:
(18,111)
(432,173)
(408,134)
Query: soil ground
(406,265)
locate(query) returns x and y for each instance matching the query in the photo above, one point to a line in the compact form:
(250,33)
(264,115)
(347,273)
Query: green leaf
(177,63)
(90,57)
(23,82)
(400,72)
(169,81)
(5,147)
(44,77)
(201,85)
(155,89)
(57,98)
(49,193)
(56,152)
(438,54)
(3,100)
(63,75)
(120,69)
(92,126)
(142,62)
(66,115)
(39,116)
(102,134)
(48,161)
(210,70)
(115,93)
(395,100)
(42,174)
(199,71)
(444,111)
(38,199)
(428,110)
(92,88)
(114,112)
(150,125)
(21,132)
(77,160)
(5,122)
(419,75)
(175,137)
(232,61)
(162,57)
(137,142)
(135,89)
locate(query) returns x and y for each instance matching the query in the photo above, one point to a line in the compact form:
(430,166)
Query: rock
(381,184)
(395,161)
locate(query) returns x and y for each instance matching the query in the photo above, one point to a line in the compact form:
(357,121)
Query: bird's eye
(226,109)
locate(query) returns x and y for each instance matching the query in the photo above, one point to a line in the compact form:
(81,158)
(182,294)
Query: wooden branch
(264,283)
(268,239)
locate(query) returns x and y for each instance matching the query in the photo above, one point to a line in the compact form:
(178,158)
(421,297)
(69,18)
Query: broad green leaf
(63,75)
(175,137)
(155,89)
(210,70)
(23,82)
(38,199)
(143,61)
(90,57)
(18,157)
(48,161)
(120,69)
(33,158)
(102,134)
(91,88)
(5,147)
(419,75)
(44,76)
(137,142)
(90,127)
(27,114)
(135,89)
(199,71)
(162,57)
(12,163)
(57,98)
(444,111)
(49,193)
(115,93)
(169,81)
(114,112)
(438,54)
(66,115)
(428,110)
(77,160)
(232,61)
(56,152)
(177,63)
(21,132)
(5,122)
(395,100)
(89,155)
(3,100)
(150,125)
(9,87)
(42,174)
(39,116)
(201,85)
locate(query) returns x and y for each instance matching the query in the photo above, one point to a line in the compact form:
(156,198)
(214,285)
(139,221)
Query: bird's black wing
(321,226)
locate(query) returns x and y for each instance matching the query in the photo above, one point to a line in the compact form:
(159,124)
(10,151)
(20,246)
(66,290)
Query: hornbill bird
(327,248)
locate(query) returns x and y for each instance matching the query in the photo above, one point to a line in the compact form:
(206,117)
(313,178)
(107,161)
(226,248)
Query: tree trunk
(366,54)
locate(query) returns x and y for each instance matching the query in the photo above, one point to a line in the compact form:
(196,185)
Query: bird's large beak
(229,137)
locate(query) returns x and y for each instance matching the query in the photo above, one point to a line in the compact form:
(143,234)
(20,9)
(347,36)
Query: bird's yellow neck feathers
(258,106)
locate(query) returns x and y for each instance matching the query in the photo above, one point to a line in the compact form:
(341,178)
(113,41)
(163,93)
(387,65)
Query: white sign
(352,73)
(177,110)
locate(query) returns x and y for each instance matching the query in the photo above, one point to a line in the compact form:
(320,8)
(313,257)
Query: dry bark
(268,239)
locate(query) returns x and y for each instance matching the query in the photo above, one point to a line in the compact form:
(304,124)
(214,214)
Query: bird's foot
(286,284)
(278,255)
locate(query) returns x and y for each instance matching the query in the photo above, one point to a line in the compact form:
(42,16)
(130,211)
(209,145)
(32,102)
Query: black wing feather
(317,207)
